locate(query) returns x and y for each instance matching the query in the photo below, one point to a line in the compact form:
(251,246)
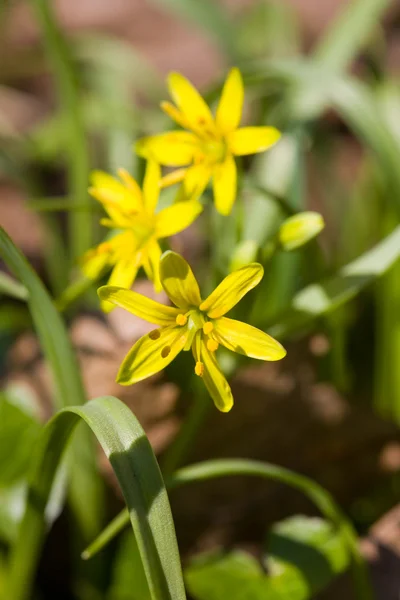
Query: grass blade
(80,224)
(130,454)
(213,469)
(12,288)
(349,33)
(66,377)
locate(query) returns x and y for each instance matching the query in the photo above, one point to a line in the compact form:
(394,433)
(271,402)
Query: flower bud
(300,229)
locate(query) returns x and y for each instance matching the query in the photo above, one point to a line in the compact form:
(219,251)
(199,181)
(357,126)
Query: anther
(155,334)
(165,351)
(181,319)
(208,327)
(199,369)
(212,345)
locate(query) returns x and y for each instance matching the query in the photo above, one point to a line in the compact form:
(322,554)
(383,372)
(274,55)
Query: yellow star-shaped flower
(132,212)
(208,147)
(194,324)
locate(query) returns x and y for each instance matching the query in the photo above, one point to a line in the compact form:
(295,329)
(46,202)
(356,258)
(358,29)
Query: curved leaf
(130,454)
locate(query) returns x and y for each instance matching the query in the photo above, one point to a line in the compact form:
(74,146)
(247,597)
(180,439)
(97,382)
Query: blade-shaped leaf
(66,377)
(128,449)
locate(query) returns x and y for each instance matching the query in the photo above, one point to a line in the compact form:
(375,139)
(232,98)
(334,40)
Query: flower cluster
(203,150)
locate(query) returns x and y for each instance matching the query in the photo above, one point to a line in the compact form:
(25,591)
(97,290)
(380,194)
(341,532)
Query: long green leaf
(66,378)
(319,299)
(213,469)
(12,288)
(76,144)
(349,33)
(130,454)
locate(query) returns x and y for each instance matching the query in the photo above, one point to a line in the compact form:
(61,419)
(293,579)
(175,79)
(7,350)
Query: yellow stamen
(171,178)
(208,327)
(155,334)
(212,345)
(181,320)
(199,369)
(165,351)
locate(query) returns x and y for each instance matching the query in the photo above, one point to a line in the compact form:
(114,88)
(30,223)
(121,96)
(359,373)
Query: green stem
(76,145)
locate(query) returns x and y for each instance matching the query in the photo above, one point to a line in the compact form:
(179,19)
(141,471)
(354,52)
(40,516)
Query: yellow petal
(123,275)
(151,263)
(139,305)
(245,339)
(214,379)
(130,183)
(175,114)
(178,280)
(176,218)
(151,188)
(195,181)
(229,111)
(249,140)
(172,178)
(224,185)
(189,101)
(300,229)
(94,262)
(232,289)
(117,198)
(151,354)
(173,148)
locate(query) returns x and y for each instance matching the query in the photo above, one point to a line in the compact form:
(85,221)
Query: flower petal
(213,378)
(245,339)
(249,140)
(150,355)
(116,197)
(172,178)
(173,148)
(123,275)
(94,262)
(151,263)
(178,280)
(139,305)
(229,111)
(195,182)
(151,188)
(189,101)
(175,114)
(232,289)
(177,217)
(224,185)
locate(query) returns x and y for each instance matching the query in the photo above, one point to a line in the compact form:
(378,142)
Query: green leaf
(19,431)
(304,556)
(315,551)
(318,299)
(69,390)
(349,33)
(128,449)
(12,288)
(128,577)
(231,467)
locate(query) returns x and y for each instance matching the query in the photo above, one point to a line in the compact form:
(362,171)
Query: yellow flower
(208,148)
(132,212)
(194,324)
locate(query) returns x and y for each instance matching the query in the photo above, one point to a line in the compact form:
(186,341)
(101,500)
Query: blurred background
(327,74)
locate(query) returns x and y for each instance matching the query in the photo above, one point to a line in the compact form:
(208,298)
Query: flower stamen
(199,369)
(181,320)
(212,345)
(208,327)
